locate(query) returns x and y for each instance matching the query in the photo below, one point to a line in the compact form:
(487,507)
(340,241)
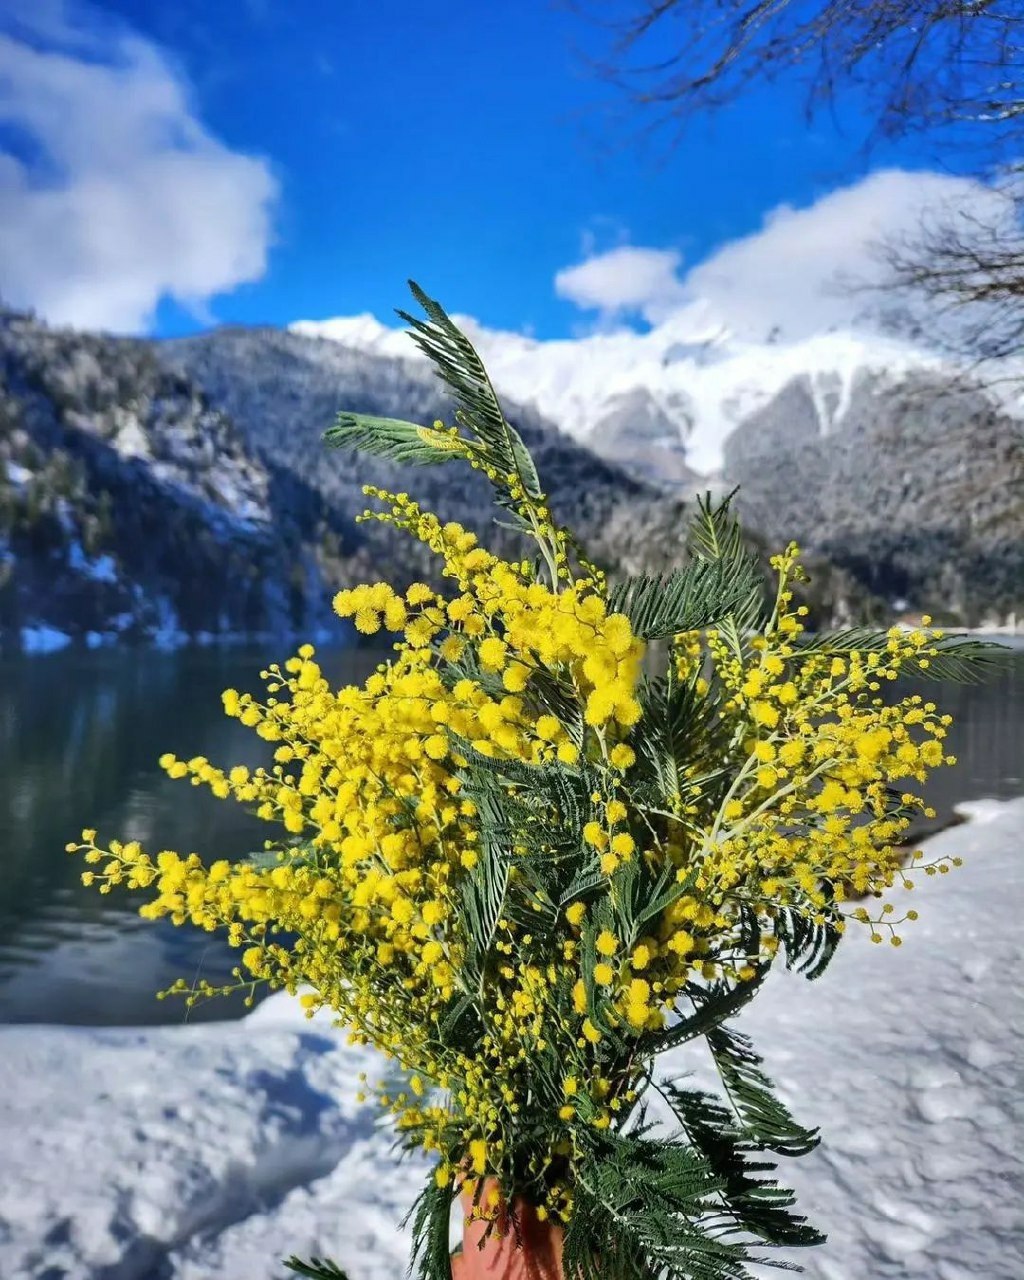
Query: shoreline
(41,639)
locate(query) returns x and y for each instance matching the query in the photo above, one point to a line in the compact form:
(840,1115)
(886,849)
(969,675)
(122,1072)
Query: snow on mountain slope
(687,373)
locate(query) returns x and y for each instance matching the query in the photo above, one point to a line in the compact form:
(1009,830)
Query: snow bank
(192,1152)
(42,638)
(197,1152)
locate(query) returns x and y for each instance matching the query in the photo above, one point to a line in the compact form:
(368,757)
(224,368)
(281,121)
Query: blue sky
(265,161)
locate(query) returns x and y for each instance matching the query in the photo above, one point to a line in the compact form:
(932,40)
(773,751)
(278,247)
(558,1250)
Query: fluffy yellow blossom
(607,943)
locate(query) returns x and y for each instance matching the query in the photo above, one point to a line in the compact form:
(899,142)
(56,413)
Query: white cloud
(625,280)
(115,195)
(789,275)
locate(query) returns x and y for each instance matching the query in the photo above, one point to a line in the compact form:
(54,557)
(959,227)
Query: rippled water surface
(80,735)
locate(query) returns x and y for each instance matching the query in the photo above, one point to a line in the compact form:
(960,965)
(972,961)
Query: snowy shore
(202,1152)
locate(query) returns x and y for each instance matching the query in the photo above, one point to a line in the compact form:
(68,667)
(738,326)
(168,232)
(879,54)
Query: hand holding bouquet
(567,826)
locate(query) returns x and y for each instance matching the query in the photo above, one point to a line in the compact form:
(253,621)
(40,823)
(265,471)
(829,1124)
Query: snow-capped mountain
(884,456)
(664,401)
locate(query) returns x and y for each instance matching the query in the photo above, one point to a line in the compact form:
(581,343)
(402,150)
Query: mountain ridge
(155,490)
(140,501)
(837,439)
(703,380)
(131,509)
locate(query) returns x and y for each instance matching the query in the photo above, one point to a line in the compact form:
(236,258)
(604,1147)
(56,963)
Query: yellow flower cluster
(363,899)
(812,815)
(516,624)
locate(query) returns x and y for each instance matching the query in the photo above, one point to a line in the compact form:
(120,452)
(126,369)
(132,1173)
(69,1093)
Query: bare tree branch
(921,65)
(953,69)
(963,269)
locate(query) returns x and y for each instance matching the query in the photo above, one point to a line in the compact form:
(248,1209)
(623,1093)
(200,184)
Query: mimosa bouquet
(567,826)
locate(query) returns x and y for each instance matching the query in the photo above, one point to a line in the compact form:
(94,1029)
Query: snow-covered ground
(189,1153)
(42,638)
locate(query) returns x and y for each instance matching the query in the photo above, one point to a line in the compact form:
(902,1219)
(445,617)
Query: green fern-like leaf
(587,878)
(714,1003)
(642,1208)
(758,1205)
(458,364)
(716,537)
(715,533)
(680,726)
(958,659)
(765,1119)
(389,438)
(703,593)
(485,887)
(430,1212)
(316,1269)
(808,946)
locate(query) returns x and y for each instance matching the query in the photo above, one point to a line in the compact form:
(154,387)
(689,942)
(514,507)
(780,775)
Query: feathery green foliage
(316,1269)
(957,659)
(388,438)
(701,594)
(490,440)
(458,365)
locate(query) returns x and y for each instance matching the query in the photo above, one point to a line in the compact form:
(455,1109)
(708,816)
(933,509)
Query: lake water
(80,735)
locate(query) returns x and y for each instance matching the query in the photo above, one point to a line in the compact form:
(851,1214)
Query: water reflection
(986,736)
(80,735)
